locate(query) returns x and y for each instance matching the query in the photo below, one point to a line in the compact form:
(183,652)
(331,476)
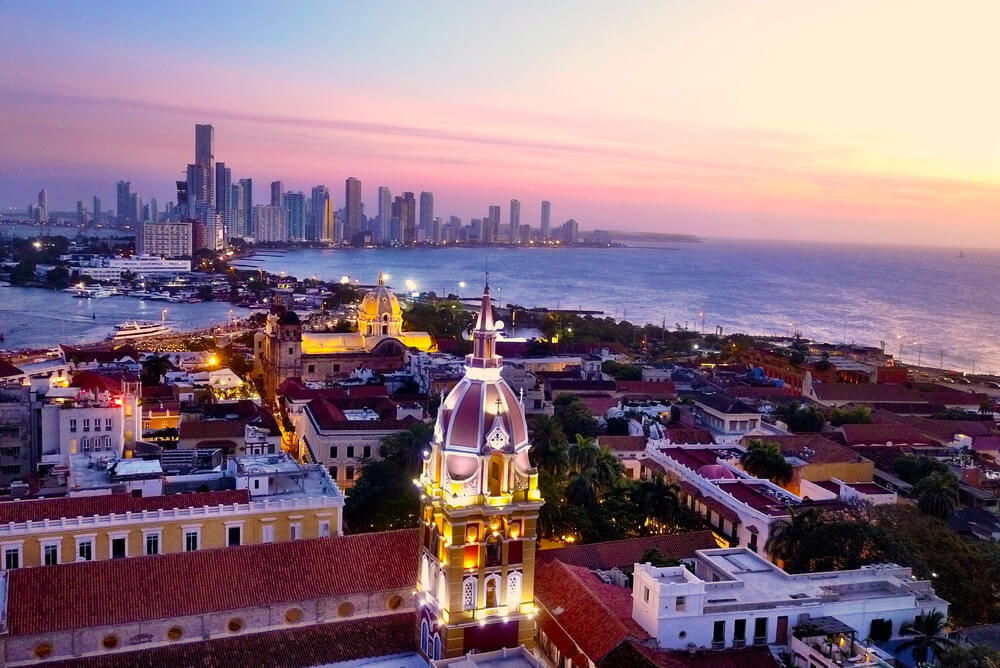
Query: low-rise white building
(733,598)
(111,269)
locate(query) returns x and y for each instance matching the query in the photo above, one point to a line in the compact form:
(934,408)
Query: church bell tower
(479,504)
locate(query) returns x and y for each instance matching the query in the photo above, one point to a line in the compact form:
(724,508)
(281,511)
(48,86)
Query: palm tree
(154,368)
(549,444)
(927,636)
(607,466)
(787,537)
(659,499)
(583,488)
(764,460)
(583,454)
(937,494)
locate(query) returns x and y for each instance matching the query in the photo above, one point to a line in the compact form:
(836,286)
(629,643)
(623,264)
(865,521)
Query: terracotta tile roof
(647,388)
(599,406)
(631,654)
(369,391)
(99,354)
(867,393)
(95,382)
(329,414)
(293,647)
(623,443)
(941,430)
(581,385)
(624,553)
(292,388)
(124,591)
(880,434)
(689,435)
(823,450)
(597,616)
(87,506)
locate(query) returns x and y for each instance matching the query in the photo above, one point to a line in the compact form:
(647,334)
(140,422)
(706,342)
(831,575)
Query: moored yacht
(133,329)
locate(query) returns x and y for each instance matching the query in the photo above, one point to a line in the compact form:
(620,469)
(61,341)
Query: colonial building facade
(284,350)
(479,512)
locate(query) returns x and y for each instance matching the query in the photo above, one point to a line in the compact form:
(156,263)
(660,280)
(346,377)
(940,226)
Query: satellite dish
(499,325)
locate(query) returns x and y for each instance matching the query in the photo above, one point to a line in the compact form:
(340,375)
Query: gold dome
(379,313)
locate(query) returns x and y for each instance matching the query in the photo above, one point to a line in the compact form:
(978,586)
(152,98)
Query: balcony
(826,642)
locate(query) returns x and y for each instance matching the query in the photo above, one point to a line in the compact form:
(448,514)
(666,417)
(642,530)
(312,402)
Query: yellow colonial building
(285,350)
(479,511)
(277,500)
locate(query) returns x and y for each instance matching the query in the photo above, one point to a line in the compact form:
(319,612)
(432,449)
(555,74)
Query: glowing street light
(410,285)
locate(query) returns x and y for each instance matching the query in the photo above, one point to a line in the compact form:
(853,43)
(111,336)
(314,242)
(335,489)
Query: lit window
(469,587)
(514,588)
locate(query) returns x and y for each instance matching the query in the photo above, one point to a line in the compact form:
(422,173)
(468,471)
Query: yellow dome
(379,312)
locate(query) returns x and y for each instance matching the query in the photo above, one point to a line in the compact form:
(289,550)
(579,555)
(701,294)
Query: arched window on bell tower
(495,475)
(494,550)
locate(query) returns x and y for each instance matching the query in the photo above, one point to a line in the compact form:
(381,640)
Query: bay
(932,305)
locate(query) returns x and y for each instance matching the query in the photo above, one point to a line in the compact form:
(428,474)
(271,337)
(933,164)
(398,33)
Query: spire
(381,280)
(484,334)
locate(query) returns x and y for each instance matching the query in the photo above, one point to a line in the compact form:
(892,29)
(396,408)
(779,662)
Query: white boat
(133,329)
(103,293)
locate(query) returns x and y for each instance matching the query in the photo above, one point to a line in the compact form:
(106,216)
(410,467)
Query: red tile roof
(986,443)
(124,591)
(689,435)
(95,382)
(823,450)
(880,434)
(292,388)
(866,392)
(597,616)
(293,647)
(623,443)
(87,506)
(599,406)
(329,414)
(625,553)
(369,391)
(662,389)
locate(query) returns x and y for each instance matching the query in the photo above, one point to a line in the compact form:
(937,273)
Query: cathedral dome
(482,414)
(379,313)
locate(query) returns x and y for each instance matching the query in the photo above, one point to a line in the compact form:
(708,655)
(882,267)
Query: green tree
(583,488)
(622,371)
(764,460)
(654,557)
(925,636)
(787,538)
(576,419)
(801,418)
(154,368)
(937,494)
(914,468)
(856,415)
(974,656)
(57,277)
(548,441)
(22,273)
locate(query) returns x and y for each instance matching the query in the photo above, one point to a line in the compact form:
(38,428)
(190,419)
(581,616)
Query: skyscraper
(124,189)
(294,205)
(204,159)
(135,208)
(384,214)
(154,210)
(81,217)
(329,233)
(247,206)
(317,210)
(352,208)
(408,218)
(95,213)
(277,191)
(546,217)
(224,197)
(515,221)
(426,214)
(238,226)
(491,225)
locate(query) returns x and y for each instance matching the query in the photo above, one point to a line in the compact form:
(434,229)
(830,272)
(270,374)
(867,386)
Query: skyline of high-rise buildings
(225,208)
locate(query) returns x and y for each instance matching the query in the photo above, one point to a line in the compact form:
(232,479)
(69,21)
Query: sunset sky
(864,121)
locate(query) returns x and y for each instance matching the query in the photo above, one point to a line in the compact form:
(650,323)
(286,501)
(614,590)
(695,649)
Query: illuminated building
(284,350)
(479,512)
(352,209)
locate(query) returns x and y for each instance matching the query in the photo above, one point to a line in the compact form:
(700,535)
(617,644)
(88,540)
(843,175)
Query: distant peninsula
(653,237)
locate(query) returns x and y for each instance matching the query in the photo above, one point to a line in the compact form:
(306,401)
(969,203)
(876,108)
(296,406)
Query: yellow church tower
(479,513)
